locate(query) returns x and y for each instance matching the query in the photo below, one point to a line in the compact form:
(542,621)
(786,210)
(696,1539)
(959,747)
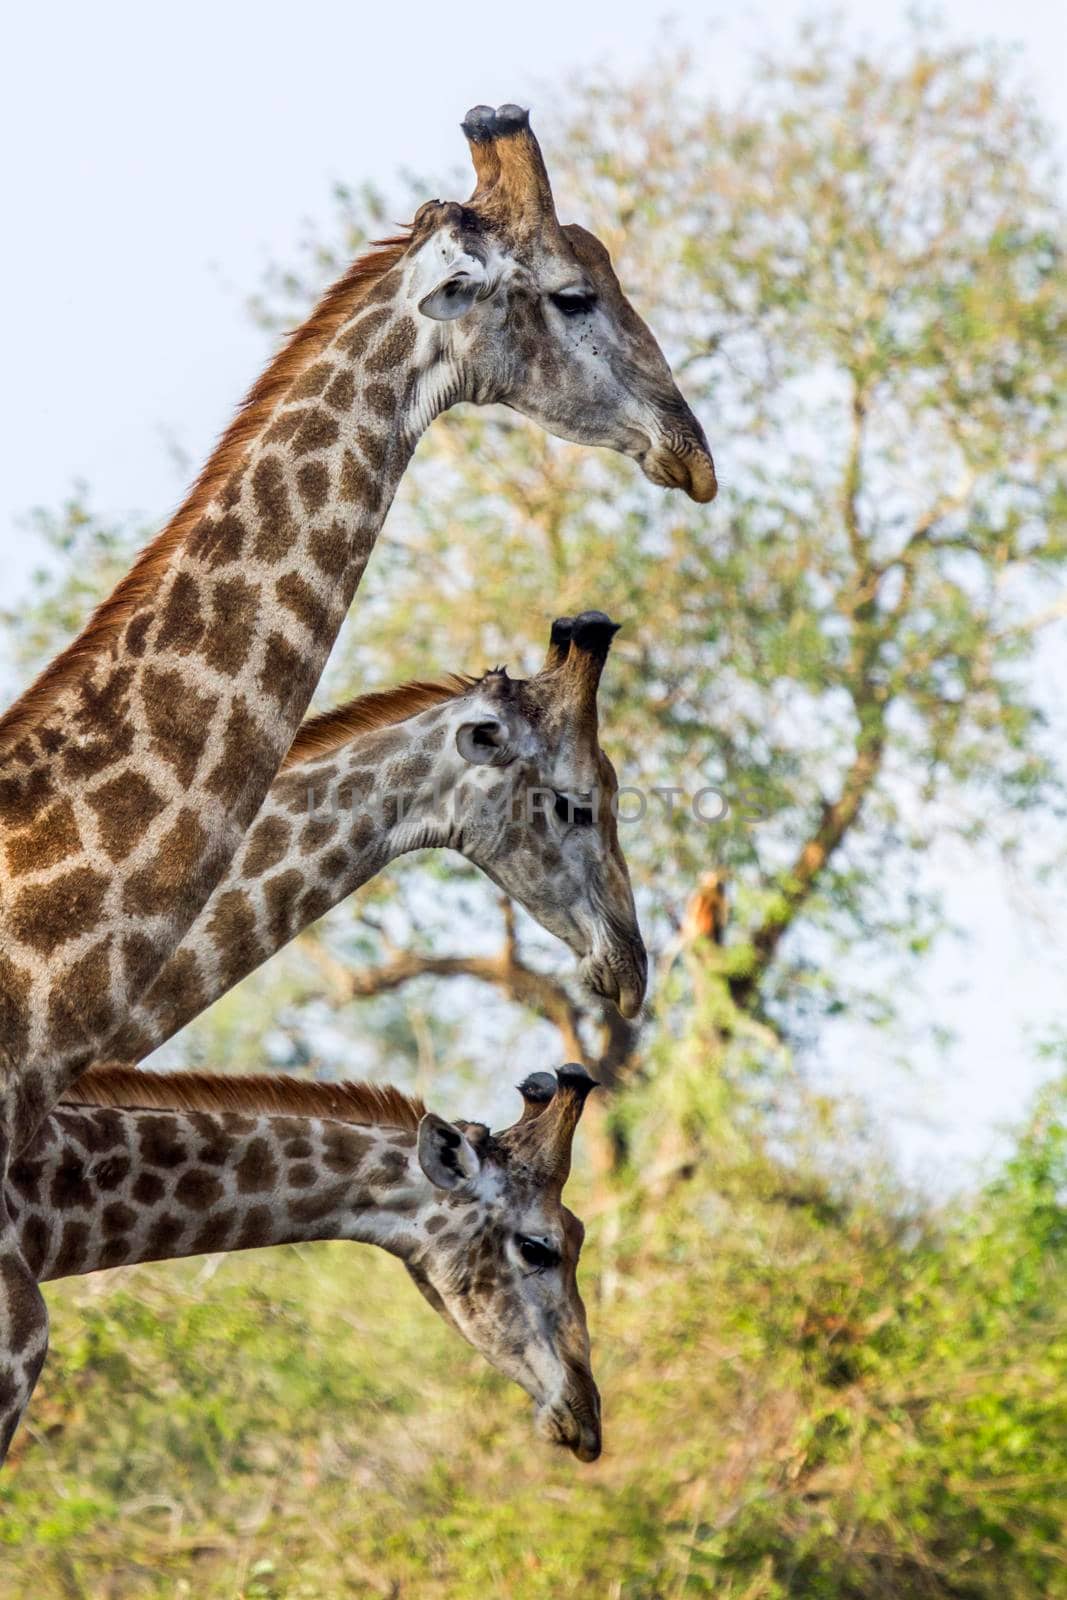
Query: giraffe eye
(536,1253)
(573,302)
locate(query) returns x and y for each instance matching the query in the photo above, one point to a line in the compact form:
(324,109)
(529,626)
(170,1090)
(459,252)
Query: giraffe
(144,1166)
(131,770)
(379,776)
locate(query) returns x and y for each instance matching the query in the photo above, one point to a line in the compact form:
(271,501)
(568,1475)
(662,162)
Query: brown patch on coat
(167,1231)
(164,883)
(314,903)
(178,719)
(374,446)
(182,624)
(257,1168)
(124,808)
(148,1188)
(198,1189)
(23,796)
(140,959)
(342,391)
(280,895)
(356,483)
(313,484)
(330,550)
(315,1207)
(178,991)
(313,382)
(70,1189)
(318,431)
(15,986)
(49,914)
(276,530)
(297,596)
(162,1145)
(112,1173)
(316,833)
(255,1229)
(232,927)
(382,399)
(245,751)
(214,1234)
(218,541)
(73,1247)
(50,839)
(285,673)
(36,1237)
(235,614)
(117,1218)
(355,341)
(395,348)
(267,843)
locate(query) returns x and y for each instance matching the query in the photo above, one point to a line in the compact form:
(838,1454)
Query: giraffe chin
(693,471)
(630,1002)
(561,1426)
(626,994)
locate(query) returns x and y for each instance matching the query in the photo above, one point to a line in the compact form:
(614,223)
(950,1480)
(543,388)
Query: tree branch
(851,489)
(837,818)
(505,971)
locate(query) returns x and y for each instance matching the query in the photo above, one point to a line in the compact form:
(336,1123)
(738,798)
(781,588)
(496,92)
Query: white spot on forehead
(489,1185)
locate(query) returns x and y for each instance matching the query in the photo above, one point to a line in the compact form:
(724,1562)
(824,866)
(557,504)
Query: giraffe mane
(381,709)
(298,351)
(273,1094)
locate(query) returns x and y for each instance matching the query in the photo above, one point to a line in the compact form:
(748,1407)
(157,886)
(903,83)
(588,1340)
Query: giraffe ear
(462,283)
(484,743)
(446,1155)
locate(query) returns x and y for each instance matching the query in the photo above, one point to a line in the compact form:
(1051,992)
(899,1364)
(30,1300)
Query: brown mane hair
(301,347)
(319,735)
(272,1094)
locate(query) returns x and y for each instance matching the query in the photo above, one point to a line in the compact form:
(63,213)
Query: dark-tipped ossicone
(542,1139)
(537,1091)
(483,123)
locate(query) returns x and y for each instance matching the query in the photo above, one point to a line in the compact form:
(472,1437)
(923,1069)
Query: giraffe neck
(130,774)
(327,826)
(104,1186)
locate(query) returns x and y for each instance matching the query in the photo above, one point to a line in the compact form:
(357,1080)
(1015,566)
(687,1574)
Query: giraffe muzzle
(691,470)
(574,1424)
(677,455)
(619,977)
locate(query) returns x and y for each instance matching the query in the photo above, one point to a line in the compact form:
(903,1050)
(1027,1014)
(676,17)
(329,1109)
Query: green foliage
(810,1391)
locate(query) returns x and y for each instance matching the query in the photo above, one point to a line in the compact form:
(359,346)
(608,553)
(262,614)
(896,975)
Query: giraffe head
(520,309)
(532,802)
(502,1269)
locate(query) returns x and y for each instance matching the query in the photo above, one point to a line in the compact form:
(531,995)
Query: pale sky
(157,157)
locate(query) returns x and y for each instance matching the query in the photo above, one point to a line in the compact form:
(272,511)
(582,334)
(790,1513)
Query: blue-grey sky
(161,155)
